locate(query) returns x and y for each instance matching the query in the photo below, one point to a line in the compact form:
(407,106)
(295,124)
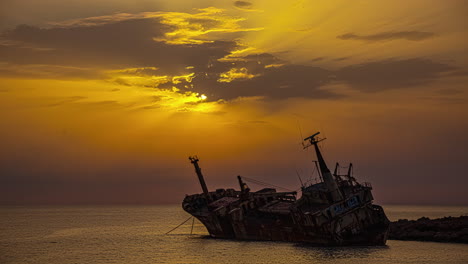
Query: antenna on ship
(300,132)
(326,174)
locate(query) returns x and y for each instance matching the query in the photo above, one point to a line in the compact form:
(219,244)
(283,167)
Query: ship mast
(194,161)
(326,174)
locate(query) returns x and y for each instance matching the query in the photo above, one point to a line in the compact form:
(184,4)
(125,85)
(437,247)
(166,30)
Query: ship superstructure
(338,210)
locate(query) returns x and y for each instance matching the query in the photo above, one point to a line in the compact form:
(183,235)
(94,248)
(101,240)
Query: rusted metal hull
(365,225)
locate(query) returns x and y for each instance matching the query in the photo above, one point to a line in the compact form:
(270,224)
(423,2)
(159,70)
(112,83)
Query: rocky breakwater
(447,229)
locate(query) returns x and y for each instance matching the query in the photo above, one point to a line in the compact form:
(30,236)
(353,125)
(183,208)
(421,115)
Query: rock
(447,229)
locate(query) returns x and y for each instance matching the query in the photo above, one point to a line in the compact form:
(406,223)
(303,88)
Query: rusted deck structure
(334,212)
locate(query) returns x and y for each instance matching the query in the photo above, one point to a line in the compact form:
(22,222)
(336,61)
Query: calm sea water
(134,234)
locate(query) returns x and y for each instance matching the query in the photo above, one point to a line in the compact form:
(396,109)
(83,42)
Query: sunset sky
(102,102)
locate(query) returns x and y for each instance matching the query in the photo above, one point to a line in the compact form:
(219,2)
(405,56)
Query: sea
(137,234)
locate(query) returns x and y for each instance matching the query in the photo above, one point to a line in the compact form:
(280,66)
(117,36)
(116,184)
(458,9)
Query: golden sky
(103,101)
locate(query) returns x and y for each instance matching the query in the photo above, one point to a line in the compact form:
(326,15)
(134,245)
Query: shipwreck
(336,211)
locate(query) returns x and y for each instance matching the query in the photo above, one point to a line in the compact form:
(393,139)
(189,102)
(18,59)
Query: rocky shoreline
(447,229)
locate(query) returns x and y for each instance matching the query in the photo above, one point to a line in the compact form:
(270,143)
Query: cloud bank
(195,53)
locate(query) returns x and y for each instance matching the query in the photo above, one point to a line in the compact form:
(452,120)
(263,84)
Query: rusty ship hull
(336,213)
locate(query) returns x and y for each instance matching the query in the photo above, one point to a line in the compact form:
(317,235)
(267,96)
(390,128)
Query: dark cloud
(70,99)
(342,58)
(392,74)
(263,58)
(317,59)
(243,4)
(292,80)
(118,45)
(275,82)
(407,35)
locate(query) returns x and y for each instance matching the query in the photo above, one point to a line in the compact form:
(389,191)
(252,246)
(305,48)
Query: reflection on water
(136,235)
(336,253)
